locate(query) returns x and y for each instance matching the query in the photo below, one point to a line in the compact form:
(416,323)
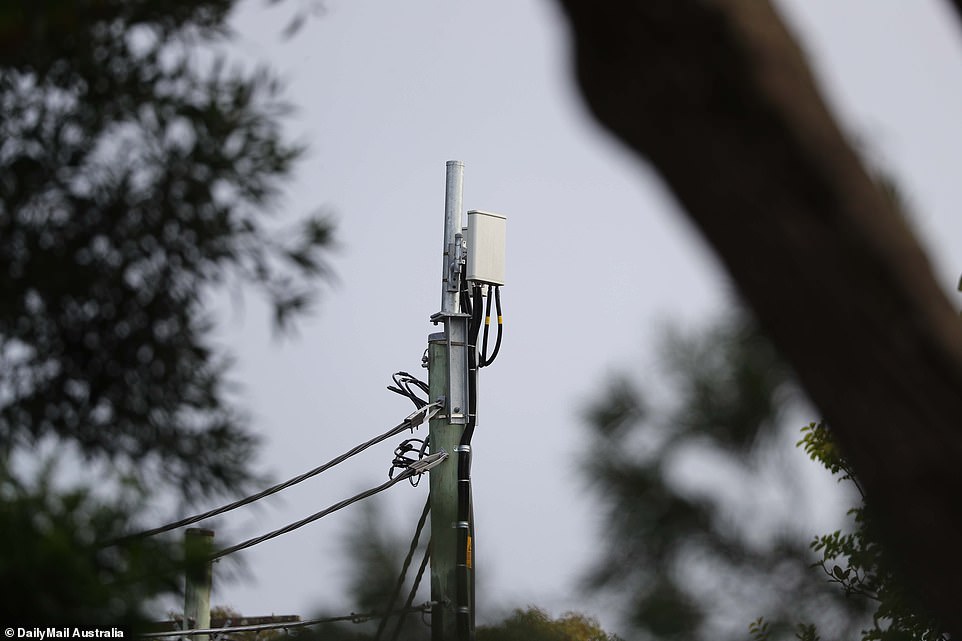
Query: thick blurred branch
(957,5)
(718,97)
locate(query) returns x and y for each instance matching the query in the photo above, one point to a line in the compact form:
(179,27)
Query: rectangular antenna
(486,235)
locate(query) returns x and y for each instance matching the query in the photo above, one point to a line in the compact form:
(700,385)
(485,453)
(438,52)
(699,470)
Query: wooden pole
(198,544)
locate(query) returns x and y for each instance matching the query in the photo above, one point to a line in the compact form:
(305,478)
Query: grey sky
(597,255)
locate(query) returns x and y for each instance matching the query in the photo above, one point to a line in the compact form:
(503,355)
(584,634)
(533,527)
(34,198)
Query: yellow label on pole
(469,561)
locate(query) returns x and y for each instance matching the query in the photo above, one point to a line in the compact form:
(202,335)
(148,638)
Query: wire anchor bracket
(425,413)
(428,462)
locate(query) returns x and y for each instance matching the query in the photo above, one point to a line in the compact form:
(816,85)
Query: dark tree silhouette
(718,97)
(135,177)
(683,563)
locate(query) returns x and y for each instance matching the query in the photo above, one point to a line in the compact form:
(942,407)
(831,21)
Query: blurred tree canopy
(682,559)
(718,96)
(533,624)
(373,559)
(137,173)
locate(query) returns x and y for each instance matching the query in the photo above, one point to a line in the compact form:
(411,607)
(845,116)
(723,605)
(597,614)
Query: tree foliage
(137,169)
(373,553)
(64,575)
(534,624)
(858,563)
(677,558)
(135,177)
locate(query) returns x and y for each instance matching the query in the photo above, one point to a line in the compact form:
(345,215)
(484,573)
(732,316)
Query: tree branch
(957,5)
(718,97)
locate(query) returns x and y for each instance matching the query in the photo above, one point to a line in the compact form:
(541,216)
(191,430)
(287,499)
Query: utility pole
(198,544)
(447,378)
(471,266)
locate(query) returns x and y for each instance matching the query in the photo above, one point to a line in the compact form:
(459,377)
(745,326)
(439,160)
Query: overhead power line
(407,609)
(417,467)
(405,565)
(420,415)
(353,618)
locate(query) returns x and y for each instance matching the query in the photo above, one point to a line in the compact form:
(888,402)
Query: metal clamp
(431,460)
(425,413)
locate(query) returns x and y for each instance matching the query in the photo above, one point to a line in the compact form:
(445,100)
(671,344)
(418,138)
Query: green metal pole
(444,498)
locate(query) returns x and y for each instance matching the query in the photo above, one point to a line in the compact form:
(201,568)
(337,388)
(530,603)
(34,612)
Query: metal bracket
(457,258)
(456,339)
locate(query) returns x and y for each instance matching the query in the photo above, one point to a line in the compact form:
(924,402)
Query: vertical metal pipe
(452,226)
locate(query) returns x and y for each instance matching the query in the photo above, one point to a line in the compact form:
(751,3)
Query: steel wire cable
(408,423)
(405,566)
(418,467)
(414,589)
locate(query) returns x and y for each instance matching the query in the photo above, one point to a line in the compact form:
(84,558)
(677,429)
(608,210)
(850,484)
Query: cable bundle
(402,385)
(403,459)
(484,360)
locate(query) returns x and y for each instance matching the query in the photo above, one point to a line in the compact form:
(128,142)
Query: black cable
(497,304)
(466,306)
(414,589)
(404,566)
(402,460)
(487,326)
(463,572)
(476,316)
(310,519)
(403,382)
(394,431)
(485,360)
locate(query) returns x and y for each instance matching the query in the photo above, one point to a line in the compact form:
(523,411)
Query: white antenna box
(485,240)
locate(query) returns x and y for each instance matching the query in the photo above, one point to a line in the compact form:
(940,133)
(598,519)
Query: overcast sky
(598,256)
